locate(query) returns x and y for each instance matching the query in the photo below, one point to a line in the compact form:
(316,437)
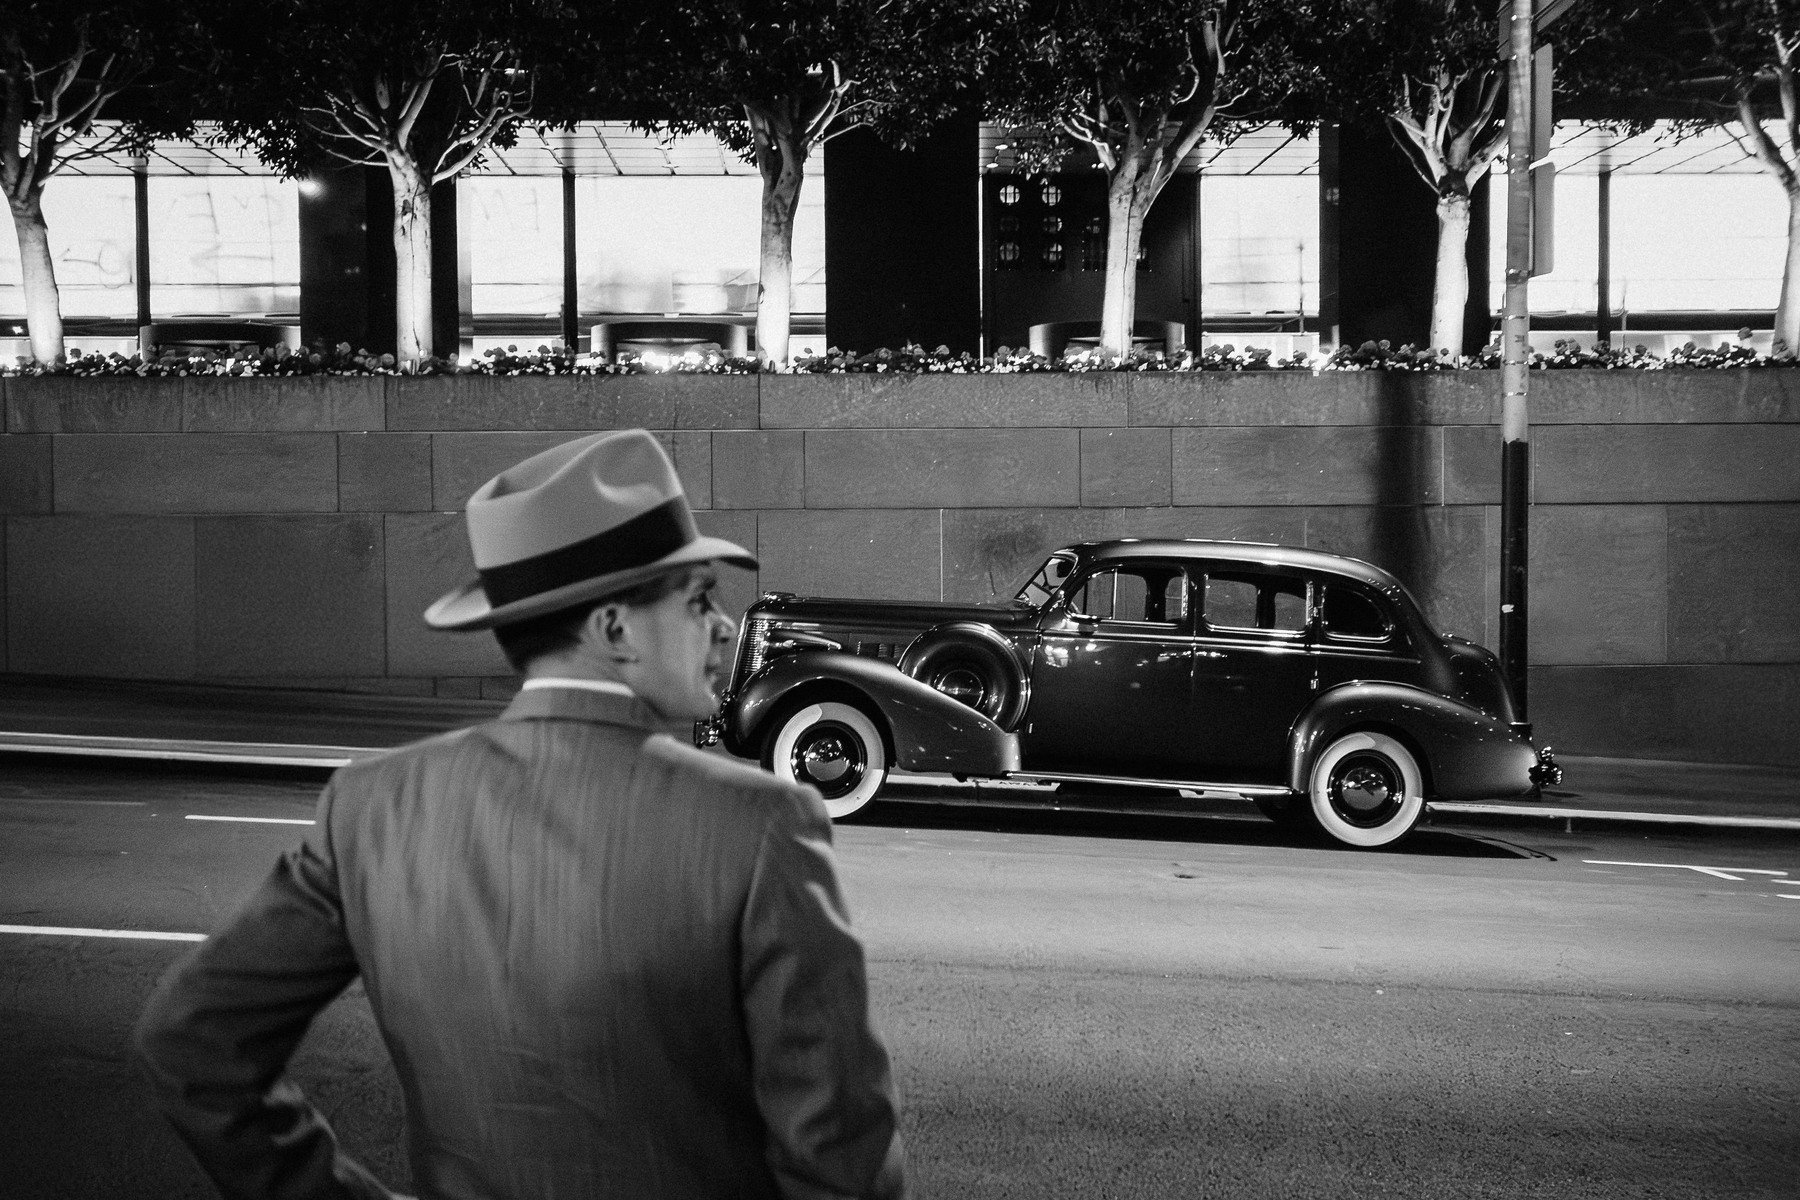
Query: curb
(1573,820)
(999,795)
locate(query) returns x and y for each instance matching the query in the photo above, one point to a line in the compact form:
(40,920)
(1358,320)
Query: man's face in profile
(683,644)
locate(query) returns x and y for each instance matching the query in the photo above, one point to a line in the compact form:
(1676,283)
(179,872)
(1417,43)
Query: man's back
(604,963)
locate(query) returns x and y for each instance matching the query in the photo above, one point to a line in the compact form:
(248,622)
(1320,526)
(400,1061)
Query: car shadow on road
(1190,825)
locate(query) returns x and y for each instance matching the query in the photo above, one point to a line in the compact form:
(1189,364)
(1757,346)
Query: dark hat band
(638,542)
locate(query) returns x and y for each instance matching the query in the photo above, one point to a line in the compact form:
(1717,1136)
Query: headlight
(756,641)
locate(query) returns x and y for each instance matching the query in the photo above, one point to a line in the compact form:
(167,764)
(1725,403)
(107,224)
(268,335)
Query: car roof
(1259,553)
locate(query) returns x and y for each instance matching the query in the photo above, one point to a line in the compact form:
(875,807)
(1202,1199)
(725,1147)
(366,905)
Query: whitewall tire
(1366,790)
(833,747)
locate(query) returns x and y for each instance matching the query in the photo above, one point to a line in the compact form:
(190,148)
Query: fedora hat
(578,522)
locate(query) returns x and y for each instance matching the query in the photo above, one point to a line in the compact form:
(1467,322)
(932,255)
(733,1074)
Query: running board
(1247,790)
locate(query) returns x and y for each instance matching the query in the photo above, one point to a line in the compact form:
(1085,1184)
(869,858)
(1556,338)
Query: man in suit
(604,963)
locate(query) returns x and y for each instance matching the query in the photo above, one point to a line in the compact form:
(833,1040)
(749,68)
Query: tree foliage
(308,82)
(774,79)
(1103,75)
(1699,64)
(63,65)
(422,87)
(1139,83)
(1704,64)
(1432,72)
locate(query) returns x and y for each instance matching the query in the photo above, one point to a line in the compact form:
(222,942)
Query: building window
(1052,195)
(514,232)
(1053,256)
(1259,241)
(687,244)
(224,245)
(1007,253)
(1009,194)
(93,244)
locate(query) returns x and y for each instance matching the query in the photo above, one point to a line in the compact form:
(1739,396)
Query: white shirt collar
(611,687)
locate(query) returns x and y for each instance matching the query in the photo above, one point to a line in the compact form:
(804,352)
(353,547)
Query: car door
(1110,677)
(1253,671)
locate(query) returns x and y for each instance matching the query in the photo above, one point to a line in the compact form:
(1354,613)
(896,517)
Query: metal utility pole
(1515,378)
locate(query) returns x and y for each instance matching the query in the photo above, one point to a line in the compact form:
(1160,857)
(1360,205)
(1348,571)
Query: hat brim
(467,608)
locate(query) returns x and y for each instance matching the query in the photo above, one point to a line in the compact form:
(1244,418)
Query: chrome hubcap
(1366,790)
(831,758)
(963,685)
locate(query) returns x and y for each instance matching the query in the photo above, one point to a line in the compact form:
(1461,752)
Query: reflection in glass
(223,244)
(93,239)
(687,244)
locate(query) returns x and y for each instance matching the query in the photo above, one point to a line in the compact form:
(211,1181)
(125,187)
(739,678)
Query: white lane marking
(67,800)
(254,820)
(265,754)
(1715,872)
(144,934)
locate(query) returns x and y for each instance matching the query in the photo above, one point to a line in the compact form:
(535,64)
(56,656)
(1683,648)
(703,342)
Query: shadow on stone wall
(1399,537)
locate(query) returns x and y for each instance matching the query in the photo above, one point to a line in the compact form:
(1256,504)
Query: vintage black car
(1307,682)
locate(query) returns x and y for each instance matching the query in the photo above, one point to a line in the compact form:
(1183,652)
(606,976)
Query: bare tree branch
(1761,146)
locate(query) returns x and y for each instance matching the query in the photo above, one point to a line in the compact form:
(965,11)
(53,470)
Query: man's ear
(609,629)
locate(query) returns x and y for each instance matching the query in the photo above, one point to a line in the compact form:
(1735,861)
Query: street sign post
(1515,381)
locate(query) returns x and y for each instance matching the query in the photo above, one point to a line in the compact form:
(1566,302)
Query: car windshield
(1043,583)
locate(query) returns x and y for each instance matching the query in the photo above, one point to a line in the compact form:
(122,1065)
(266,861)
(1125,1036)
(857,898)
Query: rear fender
(1467,754)
(929,730)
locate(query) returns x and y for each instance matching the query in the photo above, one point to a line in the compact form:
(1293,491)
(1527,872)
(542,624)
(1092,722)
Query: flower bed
(1369,356)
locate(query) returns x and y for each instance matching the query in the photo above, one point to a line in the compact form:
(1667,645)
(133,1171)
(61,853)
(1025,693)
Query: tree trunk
(43,304)
(1450,296)
(782,175)
(412,260)
(1787,313)
(1128,199)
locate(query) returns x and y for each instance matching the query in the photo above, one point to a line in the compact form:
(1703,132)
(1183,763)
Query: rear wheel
(1366,790)
(834,747)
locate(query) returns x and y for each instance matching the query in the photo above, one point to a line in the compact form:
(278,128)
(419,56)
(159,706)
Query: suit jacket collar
(605,708)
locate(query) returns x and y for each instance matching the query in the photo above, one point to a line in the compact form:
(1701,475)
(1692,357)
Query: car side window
(1137,594)
(1349,615)
(1251,600)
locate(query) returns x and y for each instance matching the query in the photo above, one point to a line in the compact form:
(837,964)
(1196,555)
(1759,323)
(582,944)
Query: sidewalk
(213,723)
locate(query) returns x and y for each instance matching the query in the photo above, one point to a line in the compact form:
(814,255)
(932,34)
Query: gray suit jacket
(604,964)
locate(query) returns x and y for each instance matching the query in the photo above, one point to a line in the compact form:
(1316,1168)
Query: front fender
(1469,754)
(931,732)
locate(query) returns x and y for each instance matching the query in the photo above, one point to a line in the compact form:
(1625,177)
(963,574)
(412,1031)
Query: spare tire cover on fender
(974,664)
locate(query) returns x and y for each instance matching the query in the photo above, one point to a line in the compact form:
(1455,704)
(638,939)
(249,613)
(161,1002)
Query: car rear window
(1350,614)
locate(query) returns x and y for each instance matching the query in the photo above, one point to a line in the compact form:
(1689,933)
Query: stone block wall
(292,531)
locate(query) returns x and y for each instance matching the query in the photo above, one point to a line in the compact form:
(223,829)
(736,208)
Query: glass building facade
(670,228)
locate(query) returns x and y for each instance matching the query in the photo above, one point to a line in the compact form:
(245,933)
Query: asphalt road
(1077,1005)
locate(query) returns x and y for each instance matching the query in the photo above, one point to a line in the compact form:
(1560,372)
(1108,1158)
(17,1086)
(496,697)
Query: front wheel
(833,747)
(1366,790)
